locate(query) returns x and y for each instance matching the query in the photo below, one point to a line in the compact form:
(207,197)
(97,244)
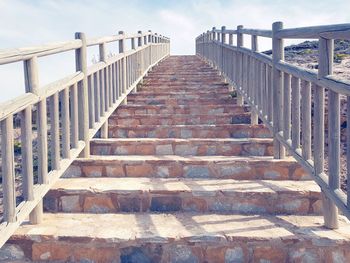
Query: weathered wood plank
(81,65)
(310,32)
(27,153)
(8,170)
(278,54)
(65,124)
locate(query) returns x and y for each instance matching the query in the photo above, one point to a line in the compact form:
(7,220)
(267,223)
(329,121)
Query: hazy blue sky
(31,22)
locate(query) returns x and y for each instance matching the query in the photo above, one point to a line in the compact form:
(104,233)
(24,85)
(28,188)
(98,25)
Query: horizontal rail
(290,99)
(315,32)
(256,32)
(337,31)
(20,54)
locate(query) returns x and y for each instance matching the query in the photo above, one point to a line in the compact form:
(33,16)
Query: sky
(32,22)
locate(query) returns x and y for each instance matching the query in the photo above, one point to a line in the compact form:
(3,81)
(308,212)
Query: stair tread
(167,185)
(189,140)
(189,115)
(189,125)
(206,158)
(187,227)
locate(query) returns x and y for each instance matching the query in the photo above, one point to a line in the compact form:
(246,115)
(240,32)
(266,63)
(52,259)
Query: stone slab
(181,237)
(110,195)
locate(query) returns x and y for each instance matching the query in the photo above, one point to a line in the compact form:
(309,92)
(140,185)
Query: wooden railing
(281,95)
(79,107)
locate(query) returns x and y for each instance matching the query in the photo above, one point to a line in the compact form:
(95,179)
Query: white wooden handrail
(74,109)
(280,95)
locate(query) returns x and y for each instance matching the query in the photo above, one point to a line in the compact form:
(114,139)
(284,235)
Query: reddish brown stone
(269,254)
(51,251)
(98,204)
(139,170)
(92,171)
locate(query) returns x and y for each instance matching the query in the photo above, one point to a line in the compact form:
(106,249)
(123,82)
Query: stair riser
(199,88)
(241,170)
(153,109)
(181,91)
(181,94)
(223,131)
(167,202)
(186,88)
(206,248)
(200,148)
(180,120)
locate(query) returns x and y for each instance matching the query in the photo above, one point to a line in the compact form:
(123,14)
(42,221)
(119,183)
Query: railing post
(103,58)
(32,85)
(83,112)
(122,50)
(240,100)
(277,55)
(213,51)
(8,170)
(223,41)
(330,211)
(256,84)
(133,46)
(150,41)
(141,62)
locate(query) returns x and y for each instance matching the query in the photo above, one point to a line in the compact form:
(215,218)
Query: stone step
(182,147)
(180,101)
(179,237)
(180,119)
(190,131)
(184,87)
(130,110)
(113,195)
(174,166)
(182,94)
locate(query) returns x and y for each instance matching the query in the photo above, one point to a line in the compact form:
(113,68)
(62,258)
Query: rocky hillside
(305,54)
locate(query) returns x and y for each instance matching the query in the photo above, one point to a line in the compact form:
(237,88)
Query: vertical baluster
(255,86)
(270,86)
(238,63)
(287,106)
(65,124)
(97,96)
(8,170)
(75,122)
(139,44)
(295,85)
(306,119)
(27,153)
(102,87)
(263,89)
(114,86)
(124,76)
(106,87)
(110,86)
(223,40)
(91,87)
(54,132)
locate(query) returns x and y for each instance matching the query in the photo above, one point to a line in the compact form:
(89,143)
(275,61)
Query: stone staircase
(183,178)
